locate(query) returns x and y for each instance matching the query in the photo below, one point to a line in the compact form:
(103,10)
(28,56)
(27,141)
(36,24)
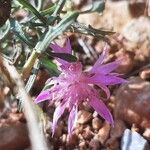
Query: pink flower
(73,86)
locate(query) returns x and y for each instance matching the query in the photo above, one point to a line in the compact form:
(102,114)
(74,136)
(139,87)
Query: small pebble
(146,133)
(15,116)
(79,129)
(14,137)
(96,123)
(95,114)
(95,144)
(145,74)
(72,140)
(82,145)
(103,133)
(87,133)
(133,102)
(64,138)
(84,117)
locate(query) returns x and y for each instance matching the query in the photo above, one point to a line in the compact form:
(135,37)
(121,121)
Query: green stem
(29,64)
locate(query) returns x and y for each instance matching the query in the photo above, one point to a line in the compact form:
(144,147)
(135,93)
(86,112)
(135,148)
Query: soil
(129,103)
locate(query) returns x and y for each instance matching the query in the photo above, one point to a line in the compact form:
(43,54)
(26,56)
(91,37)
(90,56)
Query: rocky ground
(129,103)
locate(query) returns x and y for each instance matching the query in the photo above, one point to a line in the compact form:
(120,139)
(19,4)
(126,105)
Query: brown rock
(14,137)
(137,30)
(1,98)
(145,74)
(114,144)
(80,137)
(79,129)
(15,116)
(137,8)
(72,140)
(84,116)
(110,18)
(132,108)
(137,33)
(95,144)
(127,64)
(133,103)
(83,145)
(64,138)
(96,123)
(146,133)
(103,133)
(87,133)
(5,10)
(115,134)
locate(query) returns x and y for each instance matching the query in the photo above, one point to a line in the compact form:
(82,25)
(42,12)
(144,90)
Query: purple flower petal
(44,95)
(107,68)
(68,48)
(100,59)
(101,108)
(58,49)
(57,114)
(73,86)
(72,119)
(105,89)
(106,79)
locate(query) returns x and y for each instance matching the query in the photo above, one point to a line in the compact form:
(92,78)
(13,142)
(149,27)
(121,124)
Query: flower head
(73,86)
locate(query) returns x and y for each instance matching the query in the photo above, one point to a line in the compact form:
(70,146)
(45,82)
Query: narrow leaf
(57,30)
(17,29)
(50,66)
(33,10)
(4,30)
(64,56)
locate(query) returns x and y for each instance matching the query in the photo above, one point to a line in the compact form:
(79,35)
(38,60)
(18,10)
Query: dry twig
(38,141)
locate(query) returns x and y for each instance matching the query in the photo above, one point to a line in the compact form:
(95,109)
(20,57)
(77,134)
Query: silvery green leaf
(98,6)
(52,33)
(64,56)
(4,30)
(17,29)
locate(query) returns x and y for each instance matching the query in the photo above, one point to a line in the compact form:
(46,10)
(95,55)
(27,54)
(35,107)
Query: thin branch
(30,82)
